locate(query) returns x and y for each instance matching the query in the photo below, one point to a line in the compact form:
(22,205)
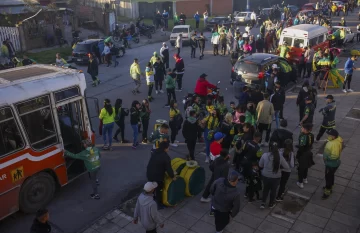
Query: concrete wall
(219,7)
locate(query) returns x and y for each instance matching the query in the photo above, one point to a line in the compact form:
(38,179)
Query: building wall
(220,7)
(223,7)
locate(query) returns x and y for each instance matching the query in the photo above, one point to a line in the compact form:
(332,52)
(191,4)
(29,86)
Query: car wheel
(36,192)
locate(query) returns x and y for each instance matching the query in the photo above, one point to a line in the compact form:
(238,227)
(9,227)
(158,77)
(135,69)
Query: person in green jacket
(91,157)
(331,156)
(4,51)
(221,106)
(159,135)
(170,83)
(250,114)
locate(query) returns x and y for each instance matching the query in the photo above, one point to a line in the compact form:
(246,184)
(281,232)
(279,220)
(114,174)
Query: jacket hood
(192,120)
(338,139)
(146,199)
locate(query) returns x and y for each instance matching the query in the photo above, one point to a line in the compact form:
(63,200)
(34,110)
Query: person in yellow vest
(135,74)
(334,10)
(59,60)
(342,38)
(324,65)
(107,116)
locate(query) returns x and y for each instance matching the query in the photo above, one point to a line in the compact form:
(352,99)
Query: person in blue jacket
(197,19)
(348,69)
(165,16)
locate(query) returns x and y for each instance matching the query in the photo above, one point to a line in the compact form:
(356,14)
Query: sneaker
(161,91)
(144,142)
(156,92)
(271,205)
(124,141)
(133,146)
(305,181)
(211,214)
(344,91)
(350,90)
(116,139)
(262,206)
(325,196)
(301,185)
(205,200)
(279,199)
(105,147)
(95,196)
(167,106)
(176,141)
(207,160)
(174,144)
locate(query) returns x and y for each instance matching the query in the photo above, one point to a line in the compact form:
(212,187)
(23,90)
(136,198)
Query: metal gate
(11,33)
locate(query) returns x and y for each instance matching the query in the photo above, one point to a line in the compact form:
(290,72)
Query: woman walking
(134,120)
(120,114)
(145,118)
(270,163)
(107,116)
(149,71)
(288,154)
(175,116)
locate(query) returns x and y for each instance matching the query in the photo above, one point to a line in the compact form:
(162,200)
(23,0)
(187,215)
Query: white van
(302,35)
(185,30)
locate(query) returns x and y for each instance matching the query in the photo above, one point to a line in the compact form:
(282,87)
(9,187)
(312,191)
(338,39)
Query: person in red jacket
(202,86)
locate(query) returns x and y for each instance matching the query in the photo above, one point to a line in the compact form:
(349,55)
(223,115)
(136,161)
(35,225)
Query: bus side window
(313,41)
(38,121)
(321,39)
(10,137)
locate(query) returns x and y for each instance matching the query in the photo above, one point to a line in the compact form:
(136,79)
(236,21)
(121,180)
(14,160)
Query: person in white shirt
(253,18)
(215,39)
(178,43)
(206,16)
(107,54)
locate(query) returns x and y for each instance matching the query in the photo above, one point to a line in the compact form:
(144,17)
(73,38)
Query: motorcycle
(214,93)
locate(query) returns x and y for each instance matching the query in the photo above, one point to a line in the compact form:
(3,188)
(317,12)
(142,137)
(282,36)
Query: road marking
(352,118)
(292,221)
(298,195)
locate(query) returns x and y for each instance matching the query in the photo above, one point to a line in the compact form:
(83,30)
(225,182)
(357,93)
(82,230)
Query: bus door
(69,106)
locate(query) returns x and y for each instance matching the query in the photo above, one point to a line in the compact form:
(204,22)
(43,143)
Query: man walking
(278,100)
(135,74)
(179,70)
(40,223)
(146,209)
(349,68)
(309,111)
(201,41)
(332,161)
(197,19)
(223,41)
(93,70)
(226,200)
(265,112)
(329,116)
(164,53)
(193,44)
(190,132)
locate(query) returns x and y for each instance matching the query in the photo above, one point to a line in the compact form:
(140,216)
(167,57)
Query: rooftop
(15,2)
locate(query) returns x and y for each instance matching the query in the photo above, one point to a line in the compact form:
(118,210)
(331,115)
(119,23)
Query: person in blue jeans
(134,120)
(197,19)
(107,116)
(211,122)
(348,69)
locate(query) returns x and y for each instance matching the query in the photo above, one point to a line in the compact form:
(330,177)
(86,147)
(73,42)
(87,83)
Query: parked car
(252,69)
(243,17)
(186,32)
(294,9)
(80,54)
(223,20)
(307,13)
(349,34)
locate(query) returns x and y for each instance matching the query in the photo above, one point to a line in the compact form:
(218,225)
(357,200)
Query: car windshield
(246,67)
(180,30)
(242,15)
(82,48)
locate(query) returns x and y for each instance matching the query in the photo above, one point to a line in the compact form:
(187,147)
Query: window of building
(38,121)
(10,136)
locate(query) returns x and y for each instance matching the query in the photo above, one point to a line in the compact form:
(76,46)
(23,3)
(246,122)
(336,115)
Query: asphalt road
(123,169)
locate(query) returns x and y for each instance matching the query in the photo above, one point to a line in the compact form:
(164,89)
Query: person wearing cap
(281,134)
(278,100)
(308,112)
(331,156)
(154,58)
(158,165)
(41,222)
(265,112)
(349,69)
(272,77)
(271,164)
(219,168)
(216,145)
(91,157)
(304,155)
(328,113)
(179,70)
(202,41)
(226,200)
(146,209)
(202,86)
(164,52)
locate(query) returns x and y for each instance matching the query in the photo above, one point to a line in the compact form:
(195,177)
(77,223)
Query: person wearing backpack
(120,114)
(189,132)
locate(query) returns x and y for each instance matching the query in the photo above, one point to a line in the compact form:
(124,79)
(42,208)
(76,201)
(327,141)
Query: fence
(11,33)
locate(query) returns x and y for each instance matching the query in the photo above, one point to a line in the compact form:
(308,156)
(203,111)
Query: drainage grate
(354,114)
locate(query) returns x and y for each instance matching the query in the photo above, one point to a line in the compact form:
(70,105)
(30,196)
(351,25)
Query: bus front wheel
(37,192)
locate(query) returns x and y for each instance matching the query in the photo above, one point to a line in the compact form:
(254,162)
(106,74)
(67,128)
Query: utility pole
(248,5)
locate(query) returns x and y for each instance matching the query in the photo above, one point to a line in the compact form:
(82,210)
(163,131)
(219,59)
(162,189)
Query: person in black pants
(304,154)
(193,44)
(159,163)
(288,154)
(300,101)
(201,41)
(179,70)
(189,131)
(164,52)
(329,116)
(120,114)
(145,118)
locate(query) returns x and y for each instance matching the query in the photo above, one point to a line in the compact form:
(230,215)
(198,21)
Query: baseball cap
(329,97)
(219,136)
(149,186)
(203,75)
(333,132)
(233,176)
